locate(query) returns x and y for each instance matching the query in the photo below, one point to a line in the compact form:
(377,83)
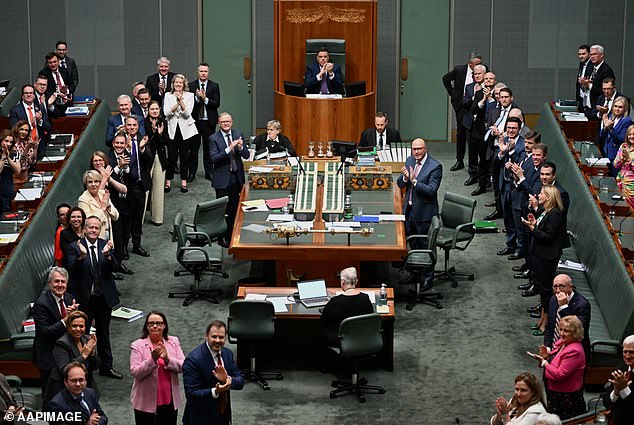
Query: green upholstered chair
(196,260)
(419,262)
(360,336)
(250,323)
(456,231)
(209,218)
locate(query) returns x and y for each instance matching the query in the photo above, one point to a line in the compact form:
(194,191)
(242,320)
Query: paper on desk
(8,238)
(276,203)
(49,158)
(303,224)
(29,194)
(597,161)
(280,217)
(256,169)
(255,297)
(293,161)
(254,208)
(391,217)
(256,228)
(279,303)
(572,265)
(254,202)
(370,294)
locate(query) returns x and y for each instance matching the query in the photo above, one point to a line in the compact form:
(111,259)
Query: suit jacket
(64,402)
(465,106)
(479,116)
(18,112)
(182,119)
(454,84)
(567,364)
(283,144)
(115,121)
(577,306)
(622,411)
(198,380)
(565,198)
(614,138)
(136,108)
(64,352)
(52,82)
(603,72)
(157,142)
(81,274)
(91,207)
(212,92)
(71,68)
(221,160)
(547,236)
(6,396)
(144,370)
(586,74)
(424,193)
(152,85)
(368,137)
(519,153)
(594,113)
(48,328)
(519,194)
(313,86)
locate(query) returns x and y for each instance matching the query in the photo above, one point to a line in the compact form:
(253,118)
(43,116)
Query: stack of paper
(127,313)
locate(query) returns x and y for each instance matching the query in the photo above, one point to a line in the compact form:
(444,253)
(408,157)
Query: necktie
(556,333)
(222,405)
(134,161)
(324,85)
(381,141)
(58,79)
(32,123)
(164,80)
(63,63)
(62,308)
(594,73)
(93,256)
(411,178)
(201,113)
(84,406)
(232,167)
(144,112)
(499,121)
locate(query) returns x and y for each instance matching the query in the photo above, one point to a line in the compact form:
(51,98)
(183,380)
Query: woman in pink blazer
(156,360)
(564,367)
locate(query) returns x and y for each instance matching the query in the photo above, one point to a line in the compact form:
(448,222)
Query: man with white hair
(117,122)
(620,400)
(548,419)
(592,85)
(161,82)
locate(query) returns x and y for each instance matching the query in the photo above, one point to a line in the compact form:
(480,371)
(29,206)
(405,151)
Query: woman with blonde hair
(624,162)
(96,201)
(613,128)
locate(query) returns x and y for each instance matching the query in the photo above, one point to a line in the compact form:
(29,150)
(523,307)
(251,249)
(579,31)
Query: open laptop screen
(312,289)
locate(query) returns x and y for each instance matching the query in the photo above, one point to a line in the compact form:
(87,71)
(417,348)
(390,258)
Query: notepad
(127,313)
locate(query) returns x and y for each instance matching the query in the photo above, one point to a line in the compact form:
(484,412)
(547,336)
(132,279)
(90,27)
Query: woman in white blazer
(181,128)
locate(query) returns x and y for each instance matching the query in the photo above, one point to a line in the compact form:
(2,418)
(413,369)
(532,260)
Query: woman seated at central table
(273,140)
(351,302)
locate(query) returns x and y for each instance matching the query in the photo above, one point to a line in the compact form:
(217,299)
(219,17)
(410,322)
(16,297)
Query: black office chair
(336,51)
(209,218)
(250,323)
(456,231)
(361,337)
(196,260)
(421,261)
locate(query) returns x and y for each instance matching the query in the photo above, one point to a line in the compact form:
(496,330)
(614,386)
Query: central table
(297,333)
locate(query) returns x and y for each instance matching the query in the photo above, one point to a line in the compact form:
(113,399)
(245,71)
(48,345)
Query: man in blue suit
(91,263)
(323,76)
(118,121)
(226,149)
(29,110)
(209,373)
(76,401)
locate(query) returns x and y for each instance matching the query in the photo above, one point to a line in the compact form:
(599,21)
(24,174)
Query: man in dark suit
(467,122)
(620,400)
(78,400)
(49,313)
(205,112)
(59,82)
(455,82)
(323,76)
(8,403)
(227,149)
(44,101)
(37,117)
(136,105)
(66,62)
(584,71)
(592,85)
(119,160)
(381,135)
(161,82)
(141,103)
(209,373)
(566,302)
(116,122)
(91,264)
(483,109)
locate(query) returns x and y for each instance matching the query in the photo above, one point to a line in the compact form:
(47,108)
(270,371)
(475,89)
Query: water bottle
(347,207)
(383,295)
(291,204)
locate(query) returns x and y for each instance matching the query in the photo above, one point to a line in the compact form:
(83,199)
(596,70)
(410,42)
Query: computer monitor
(341,148)
(294,89)
(355,89)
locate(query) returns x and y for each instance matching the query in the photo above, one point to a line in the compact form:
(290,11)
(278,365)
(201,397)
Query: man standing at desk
(322,76)
(209,372)
(381,135)
(226,149)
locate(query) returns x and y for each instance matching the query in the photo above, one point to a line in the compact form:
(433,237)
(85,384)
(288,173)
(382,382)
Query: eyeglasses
(419,149)
(28,92)
(158,324)
(560,286)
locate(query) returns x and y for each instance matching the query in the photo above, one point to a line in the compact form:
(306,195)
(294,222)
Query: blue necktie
(134,162)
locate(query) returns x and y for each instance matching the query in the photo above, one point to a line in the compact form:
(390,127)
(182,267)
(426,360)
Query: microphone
(629,212)
(300,167)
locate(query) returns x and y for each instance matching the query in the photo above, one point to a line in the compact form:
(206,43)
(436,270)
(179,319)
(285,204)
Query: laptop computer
(313,293)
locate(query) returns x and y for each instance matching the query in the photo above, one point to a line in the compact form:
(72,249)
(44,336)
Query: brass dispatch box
(370,178)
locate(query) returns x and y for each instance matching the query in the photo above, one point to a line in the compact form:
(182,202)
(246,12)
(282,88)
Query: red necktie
(33,124)
(62,308)
(58,78)
(222,405)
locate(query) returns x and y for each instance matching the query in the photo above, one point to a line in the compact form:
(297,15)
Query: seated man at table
(323,76)
(351,302)
(381,135)
(274,140)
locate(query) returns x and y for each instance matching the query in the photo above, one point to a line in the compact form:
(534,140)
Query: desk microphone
(300,167)
(629,212)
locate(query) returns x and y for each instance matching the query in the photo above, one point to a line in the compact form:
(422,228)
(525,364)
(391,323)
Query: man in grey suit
(227,149)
